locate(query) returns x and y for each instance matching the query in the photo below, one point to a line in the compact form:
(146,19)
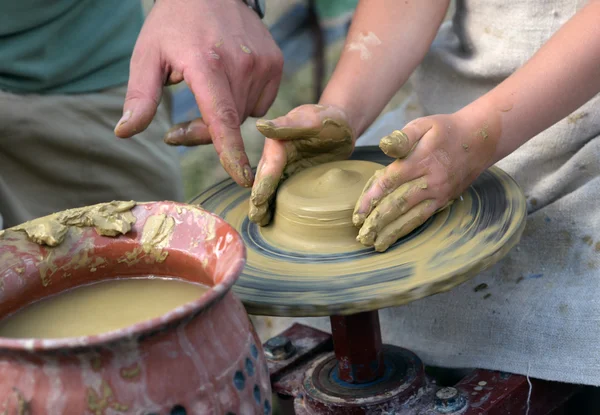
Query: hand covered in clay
(306,136)
(438,157)
(227,57)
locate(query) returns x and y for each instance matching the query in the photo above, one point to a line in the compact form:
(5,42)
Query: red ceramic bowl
(201,358)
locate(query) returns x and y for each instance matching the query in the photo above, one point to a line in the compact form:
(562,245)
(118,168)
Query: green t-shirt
(66,46)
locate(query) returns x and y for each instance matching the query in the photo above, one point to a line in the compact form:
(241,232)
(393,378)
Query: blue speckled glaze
(267,407)
(249,367)
(254,351)
(257,394)
(494,201)
(239,380)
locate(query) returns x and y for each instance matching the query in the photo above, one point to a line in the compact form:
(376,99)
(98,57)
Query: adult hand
(438,157)
(227,57)
(306,136)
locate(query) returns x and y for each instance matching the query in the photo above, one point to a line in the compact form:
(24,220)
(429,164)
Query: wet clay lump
(99,308)
(313,209)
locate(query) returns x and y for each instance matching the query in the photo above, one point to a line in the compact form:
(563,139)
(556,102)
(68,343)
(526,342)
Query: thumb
(305,121)
(268,176)
(269,172)
(190,133)
(400,143)
(144,91)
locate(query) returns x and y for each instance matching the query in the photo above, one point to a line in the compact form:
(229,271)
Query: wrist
(353,118)
(481,127)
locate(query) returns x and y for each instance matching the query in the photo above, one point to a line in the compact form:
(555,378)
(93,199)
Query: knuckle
(277,62)
(428,147)
(212,59)
(445,189)
(441,201)
(246,63)
(397,204)
(228,116)
(134,94)
(385,184)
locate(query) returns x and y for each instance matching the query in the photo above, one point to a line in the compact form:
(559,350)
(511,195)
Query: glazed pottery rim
(188,310)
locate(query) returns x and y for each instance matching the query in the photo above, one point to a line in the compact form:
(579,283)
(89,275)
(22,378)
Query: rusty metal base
(305,378)
(325,392)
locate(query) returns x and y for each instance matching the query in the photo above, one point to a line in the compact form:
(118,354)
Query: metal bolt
(449,400)
(279,348)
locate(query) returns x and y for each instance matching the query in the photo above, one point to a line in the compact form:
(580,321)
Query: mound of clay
(313,209)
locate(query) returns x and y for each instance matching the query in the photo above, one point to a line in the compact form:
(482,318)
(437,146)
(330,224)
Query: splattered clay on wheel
(306,262)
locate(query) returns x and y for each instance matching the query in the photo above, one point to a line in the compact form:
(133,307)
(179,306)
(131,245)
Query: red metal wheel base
(305,374)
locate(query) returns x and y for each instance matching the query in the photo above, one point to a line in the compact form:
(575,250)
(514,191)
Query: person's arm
(439,156)
(227,57)
(387,40)
(385,43)
(562,76)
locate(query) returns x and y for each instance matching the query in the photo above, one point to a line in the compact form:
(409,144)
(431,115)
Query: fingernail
(265,125)
(174,135)
(367,236)
(358,219)
(248,175)
(257,214)
(395,144)
(381,246)
(231,164)
(126,116)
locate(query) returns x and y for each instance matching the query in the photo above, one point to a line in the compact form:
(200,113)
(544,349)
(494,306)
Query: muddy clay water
(100,307)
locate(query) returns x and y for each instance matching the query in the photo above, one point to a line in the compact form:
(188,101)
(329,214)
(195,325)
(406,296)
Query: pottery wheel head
(314,207)
(307,262)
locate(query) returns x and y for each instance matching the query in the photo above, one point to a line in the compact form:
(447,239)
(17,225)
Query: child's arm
(388,39)
(563,75)
(386,42)
(450,151)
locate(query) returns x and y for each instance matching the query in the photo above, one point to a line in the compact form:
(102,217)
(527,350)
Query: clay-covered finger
(306,121)
(396,144)
(382,183)
(404,225)
(261,215)
(264,188)
(295,125)
(268,175)
(213,94)
(392,207)
(400,143)
(190,133)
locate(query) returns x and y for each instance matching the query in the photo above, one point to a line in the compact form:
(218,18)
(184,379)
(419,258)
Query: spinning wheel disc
(472,234)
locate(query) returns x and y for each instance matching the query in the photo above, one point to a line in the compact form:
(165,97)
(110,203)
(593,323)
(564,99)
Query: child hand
(438,157)
(306,136)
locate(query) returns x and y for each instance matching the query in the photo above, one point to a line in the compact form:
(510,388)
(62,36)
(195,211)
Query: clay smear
(109,219)
(363,43)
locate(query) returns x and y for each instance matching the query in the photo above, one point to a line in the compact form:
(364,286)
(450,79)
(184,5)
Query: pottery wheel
(282,279)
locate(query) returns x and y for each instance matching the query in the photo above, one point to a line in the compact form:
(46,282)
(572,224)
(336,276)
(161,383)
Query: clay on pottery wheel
(314,208)
(181,361)
(476,231)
